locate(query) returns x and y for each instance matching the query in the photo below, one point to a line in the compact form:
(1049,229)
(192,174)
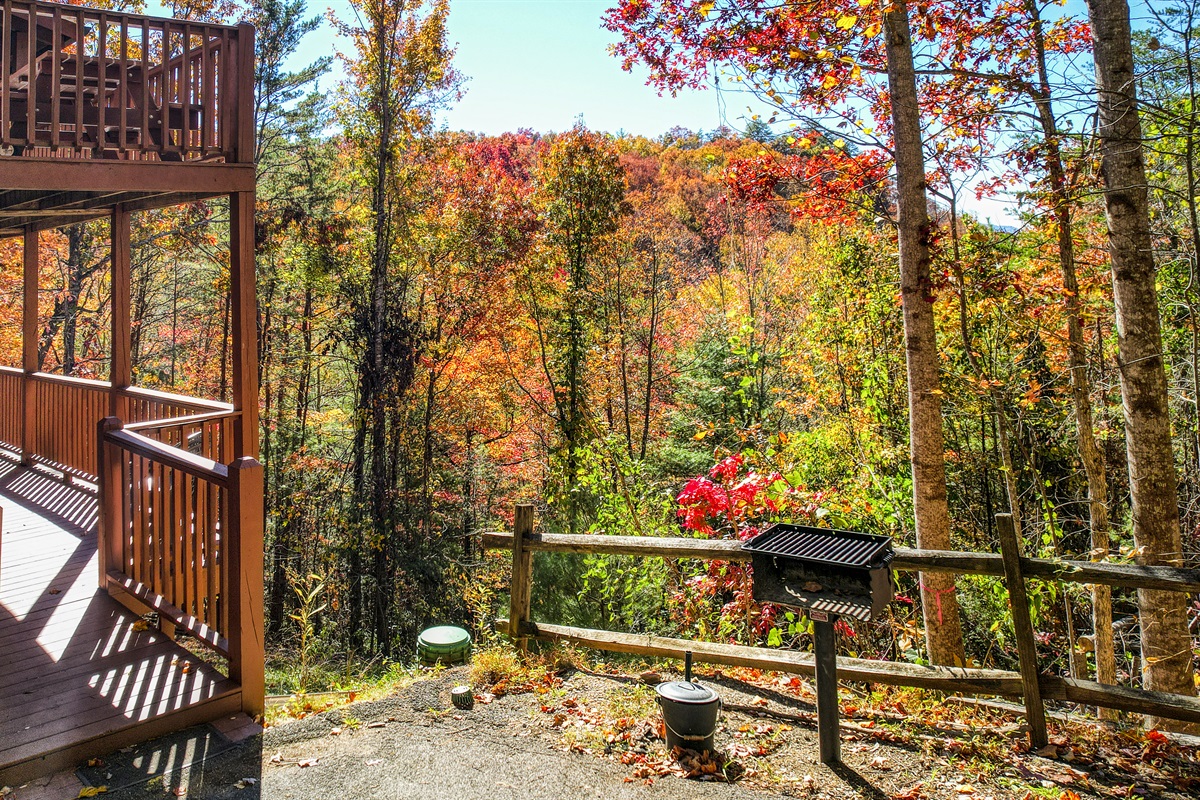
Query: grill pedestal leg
(825,653)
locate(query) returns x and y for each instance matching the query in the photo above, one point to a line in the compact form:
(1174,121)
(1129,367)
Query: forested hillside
(703,332)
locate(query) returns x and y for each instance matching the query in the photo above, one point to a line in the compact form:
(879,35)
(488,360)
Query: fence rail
(1028,683)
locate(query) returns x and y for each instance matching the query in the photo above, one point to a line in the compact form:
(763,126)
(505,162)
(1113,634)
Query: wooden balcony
(103,522)
(99,107)
(118,501)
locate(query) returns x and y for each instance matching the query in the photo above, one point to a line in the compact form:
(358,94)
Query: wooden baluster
(225,122)
(31,48)
(185,91)
(56,57)
(80,55)
(165,90)
(6,58)
(216,519)
(137,517)
(209,105)
(122,98)
(101,83)
(144,133)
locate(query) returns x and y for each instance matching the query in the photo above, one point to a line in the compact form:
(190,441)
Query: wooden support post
(522,576)
(825,655)
(111,521)
(245,565)
(121,365)
(244,313)
(29,346)
(1010,551)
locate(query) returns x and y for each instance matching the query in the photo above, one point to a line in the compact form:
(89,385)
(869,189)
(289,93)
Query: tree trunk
(1166,643)
(943,629)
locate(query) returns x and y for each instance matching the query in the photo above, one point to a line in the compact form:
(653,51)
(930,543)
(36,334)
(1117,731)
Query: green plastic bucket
(448,644)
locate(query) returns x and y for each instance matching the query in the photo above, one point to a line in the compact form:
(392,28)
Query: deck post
(245,565)
(244,313)
(29,344)
(109,520)
(121,366)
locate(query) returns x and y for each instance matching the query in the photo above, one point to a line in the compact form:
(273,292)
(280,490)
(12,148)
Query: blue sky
(541,64)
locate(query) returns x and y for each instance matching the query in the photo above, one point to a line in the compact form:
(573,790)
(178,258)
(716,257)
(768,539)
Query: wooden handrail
(190,419)
(48,9)
(170,398)
(1132,576)
(198,467)
(71,380)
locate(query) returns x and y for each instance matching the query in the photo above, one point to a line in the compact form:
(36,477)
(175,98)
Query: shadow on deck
(80,675)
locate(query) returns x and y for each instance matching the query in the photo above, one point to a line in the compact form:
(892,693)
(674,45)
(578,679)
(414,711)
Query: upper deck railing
(81,82)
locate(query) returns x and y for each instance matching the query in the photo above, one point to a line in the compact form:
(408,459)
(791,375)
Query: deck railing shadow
(72,509)
(201,759)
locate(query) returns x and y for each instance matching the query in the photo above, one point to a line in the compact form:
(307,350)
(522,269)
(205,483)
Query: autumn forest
(803,314)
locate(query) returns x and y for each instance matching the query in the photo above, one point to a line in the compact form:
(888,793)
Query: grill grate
(821,545)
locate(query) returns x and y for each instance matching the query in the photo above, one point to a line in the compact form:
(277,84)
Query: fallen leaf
(180,791)
(141,625)
(92,791)
(371,762)
(336,732)
(1049,751)
(307,762)
(277,758)
(95,762)
(880,762)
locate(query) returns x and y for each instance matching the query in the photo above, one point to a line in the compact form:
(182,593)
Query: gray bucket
(690,712)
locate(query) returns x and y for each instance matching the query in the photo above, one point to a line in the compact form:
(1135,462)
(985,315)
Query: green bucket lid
(444,640)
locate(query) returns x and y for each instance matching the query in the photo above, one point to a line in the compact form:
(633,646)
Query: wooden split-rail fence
(1029,683)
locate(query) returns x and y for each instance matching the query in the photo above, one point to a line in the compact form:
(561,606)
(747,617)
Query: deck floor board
(78,676)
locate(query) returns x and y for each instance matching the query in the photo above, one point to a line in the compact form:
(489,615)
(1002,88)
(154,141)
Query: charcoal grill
(829,574)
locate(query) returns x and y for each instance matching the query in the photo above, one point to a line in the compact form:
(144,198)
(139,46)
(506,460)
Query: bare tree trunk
(1081,388)
(943,629)
(1166,643)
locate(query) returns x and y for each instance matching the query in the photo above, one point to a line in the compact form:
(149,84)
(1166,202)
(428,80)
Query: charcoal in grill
(829,572)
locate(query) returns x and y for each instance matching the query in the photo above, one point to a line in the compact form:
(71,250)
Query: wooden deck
(77,677)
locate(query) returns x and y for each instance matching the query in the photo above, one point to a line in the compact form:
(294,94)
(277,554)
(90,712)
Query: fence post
(522,576)
(244,560)
(111,519)
(1010,552)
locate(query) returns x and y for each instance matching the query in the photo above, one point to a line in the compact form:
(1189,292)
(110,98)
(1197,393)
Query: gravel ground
(593,735)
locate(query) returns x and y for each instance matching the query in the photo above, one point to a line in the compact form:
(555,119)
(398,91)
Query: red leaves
(829,185)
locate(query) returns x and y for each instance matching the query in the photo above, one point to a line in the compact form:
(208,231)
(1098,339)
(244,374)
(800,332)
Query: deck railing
(65,440)
(1029,683)
(84,82)
(172,527)
(176,502)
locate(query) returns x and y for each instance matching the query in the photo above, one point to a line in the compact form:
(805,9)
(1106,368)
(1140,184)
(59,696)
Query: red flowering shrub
(735,501)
